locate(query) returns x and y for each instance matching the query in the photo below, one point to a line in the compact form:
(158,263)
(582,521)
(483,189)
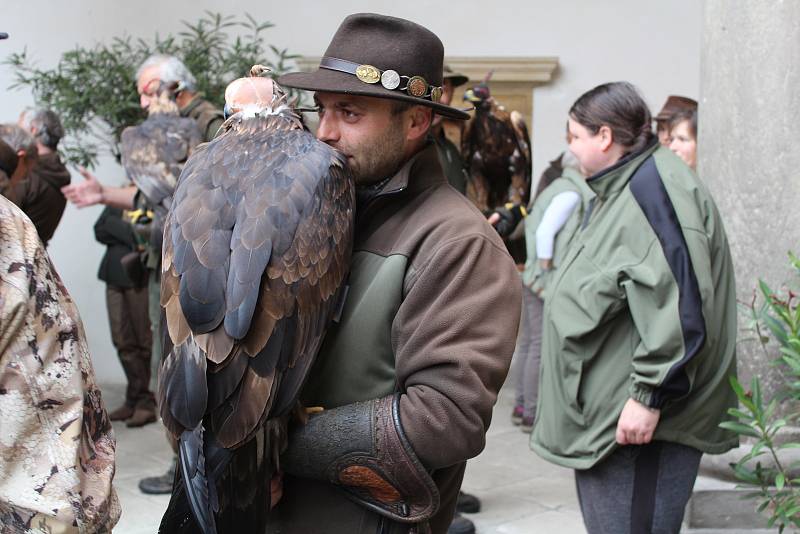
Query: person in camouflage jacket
(56,444)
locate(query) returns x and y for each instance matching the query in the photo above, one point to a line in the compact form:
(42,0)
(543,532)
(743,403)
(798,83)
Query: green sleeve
(660,360)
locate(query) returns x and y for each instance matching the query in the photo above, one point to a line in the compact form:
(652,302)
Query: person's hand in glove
(506,218)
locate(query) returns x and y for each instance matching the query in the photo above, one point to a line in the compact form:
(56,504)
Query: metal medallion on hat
(368,74)
(390,79)
(417,86)
(436,94)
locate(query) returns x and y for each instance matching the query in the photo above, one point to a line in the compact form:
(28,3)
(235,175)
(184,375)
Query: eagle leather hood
(643,307)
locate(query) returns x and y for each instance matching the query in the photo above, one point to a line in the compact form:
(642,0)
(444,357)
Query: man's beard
(378,159)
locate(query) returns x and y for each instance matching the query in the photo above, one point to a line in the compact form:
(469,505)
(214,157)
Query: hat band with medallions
(415,86)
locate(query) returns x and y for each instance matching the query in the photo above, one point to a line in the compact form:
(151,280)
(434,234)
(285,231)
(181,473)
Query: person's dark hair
(49,130)
(399,107)
(619,106)
(685,115)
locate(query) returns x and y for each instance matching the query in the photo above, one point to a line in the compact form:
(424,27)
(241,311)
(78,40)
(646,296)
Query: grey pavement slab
(520,492)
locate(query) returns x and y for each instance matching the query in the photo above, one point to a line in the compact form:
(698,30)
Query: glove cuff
(362,449)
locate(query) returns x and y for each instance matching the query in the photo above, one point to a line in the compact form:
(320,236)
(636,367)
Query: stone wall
(749,141)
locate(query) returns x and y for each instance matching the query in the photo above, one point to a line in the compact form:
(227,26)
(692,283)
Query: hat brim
(331,81)
(457,80)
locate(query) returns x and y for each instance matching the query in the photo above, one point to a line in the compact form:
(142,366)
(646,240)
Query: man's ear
(420,119)
(606,138)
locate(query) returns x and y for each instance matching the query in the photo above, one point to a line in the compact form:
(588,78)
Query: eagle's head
(478,96)
(257,96)
(163,101)
(249,96)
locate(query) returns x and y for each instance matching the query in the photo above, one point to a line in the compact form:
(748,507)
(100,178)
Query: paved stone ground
(520,492)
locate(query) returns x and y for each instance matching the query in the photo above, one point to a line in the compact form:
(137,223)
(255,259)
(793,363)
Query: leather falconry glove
(362,449)
(510,216)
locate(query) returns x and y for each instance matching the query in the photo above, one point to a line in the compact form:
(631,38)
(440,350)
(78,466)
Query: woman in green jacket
(639,326)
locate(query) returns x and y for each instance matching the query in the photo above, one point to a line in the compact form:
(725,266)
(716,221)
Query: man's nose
(327,131)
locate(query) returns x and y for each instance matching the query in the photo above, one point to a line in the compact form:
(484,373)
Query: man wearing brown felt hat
(407,378)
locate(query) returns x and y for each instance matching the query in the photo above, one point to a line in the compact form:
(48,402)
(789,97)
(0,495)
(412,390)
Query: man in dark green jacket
(408,377)
(126,303)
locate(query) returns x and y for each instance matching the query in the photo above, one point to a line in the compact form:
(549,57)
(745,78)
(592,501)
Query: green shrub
(94,90)
(778,494)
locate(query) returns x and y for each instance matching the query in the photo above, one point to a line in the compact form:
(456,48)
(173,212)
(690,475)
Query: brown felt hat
(384,57)
(673,105)
(456,78)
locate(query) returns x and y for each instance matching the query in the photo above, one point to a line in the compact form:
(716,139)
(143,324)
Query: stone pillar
(749,155)
(749,142)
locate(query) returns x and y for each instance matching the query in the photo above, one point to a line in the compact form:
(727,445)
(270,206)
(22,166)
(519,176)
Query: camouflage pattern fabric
(56,442)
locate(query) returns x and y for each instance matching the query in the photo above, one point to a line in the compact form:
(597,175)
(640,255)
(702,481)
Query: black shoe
(467,504)
(461,525)
(159,485)
(527,424)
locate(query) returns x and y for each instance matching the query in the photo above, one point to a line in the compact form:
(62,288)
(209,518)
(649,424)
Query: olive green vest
(534,276)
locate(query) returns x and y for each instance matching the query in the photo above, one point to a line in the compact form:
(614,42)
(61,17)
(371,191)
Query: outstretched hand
(636,423)
(86,193)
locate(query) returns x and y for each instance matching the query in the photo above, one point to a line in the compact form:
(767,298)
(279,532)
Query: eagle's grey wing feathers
(289,244)
(153,154)
(256,254)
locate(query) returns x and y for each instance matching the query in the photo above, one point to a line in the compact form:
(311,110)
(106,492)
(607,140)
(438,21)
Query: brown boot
(141,417)
(122,413)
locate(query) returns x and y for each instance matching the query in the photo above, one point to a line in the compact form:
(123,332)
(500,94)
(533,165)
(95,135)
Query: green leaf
(93,88)
(780,480)
(740,428)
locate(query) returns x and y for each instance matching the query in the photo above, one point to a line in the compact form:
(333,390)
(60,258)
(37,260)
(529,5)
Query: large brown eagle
(496,151)
(153,154)
(256,250)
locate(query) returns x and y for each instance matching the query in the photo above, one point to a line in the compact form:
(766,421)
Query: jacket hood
(51,169)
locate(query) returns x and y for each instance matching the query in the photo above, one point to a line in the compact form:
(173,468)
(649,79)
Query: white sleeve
(554,218)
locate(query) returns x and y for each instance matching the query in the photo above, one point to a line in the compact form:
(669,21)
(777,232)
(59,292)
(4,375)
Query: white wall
(655,45)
